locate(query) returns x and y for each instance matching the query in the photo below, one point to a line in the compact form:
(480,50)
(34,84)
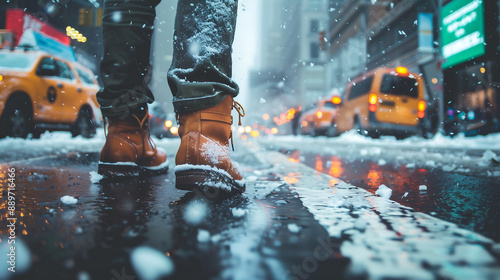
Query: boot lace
(241,113)
(141,123)
(144,123)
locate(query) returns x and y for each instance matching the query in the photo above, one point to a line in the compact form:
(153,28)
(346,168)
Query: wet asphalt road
(267,233)
(243,237)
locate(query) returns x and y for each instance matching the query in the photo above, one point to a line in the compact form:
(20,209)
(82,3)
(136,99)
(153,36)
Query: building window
(314,50)
(314,26)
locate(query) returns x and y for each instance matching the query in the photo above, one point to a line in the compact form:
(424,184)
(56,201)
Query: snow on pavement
(60,142)
(488,142)
(459,154)
(385,239)
(381,237)
(384,191)
(450,154)
(63,142)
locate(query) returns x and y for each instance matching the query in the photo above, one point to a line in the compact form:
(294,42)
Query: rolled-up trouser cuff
(193,96)
(201,87)
(123,104)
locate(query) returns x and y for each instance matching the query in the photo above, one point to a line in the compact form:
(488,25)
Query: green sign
(462,35)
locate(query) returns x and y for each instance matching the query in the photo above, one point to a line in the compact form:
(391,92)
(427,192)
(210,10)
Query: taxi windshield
(16,61)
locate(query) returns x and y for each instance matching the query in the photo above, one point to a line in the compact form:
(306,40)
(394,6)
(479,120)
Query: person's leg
(127,30)
(200,75)
(127,27)
(200,80)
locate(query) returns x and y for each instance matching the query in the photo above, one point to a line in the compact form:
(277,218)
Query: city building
(348,35)
(278,49)
(292,67)
(309,72)
(470,49)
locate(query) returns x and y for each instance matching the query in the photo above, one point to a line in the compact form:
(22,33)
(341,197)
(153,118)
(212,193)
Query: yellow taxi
(385,101)
(40,91)
(320,118)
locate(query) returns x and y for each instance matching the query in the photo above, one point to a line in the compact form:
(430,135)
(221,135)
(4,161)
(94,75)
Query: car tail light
(421,109)
(336,100)
(402,70)
(372,100)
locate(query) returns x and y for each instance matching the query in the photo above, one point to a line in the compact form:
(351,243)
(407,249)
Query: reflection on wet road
(242,237)
(469,201)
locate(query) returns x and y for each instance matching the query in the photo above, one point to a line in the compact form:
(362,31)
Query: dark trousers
(200,74)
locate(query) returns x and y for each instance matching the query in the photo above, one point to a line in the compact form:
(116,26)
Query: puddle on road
(470,202)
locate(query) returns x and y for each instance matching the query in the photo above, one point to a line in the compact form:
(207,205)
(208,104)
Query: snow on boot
(203,157)
(129,150)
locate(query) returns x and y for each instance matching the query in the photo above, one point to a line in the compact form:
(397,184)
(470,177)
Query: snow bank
(489,142)
(54,141)
(61,141)
(458,155)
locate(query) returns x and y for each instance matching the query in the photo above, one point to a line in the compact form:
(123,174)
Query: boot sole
(209,181)
(119,170)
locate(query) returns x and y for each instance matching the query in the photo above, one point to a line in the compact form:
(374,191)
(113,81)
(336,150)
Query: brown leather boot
(203,156)
(129,150)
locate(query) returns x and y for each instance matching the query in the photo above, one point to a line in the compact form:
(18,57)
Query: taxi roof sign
(44,43)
